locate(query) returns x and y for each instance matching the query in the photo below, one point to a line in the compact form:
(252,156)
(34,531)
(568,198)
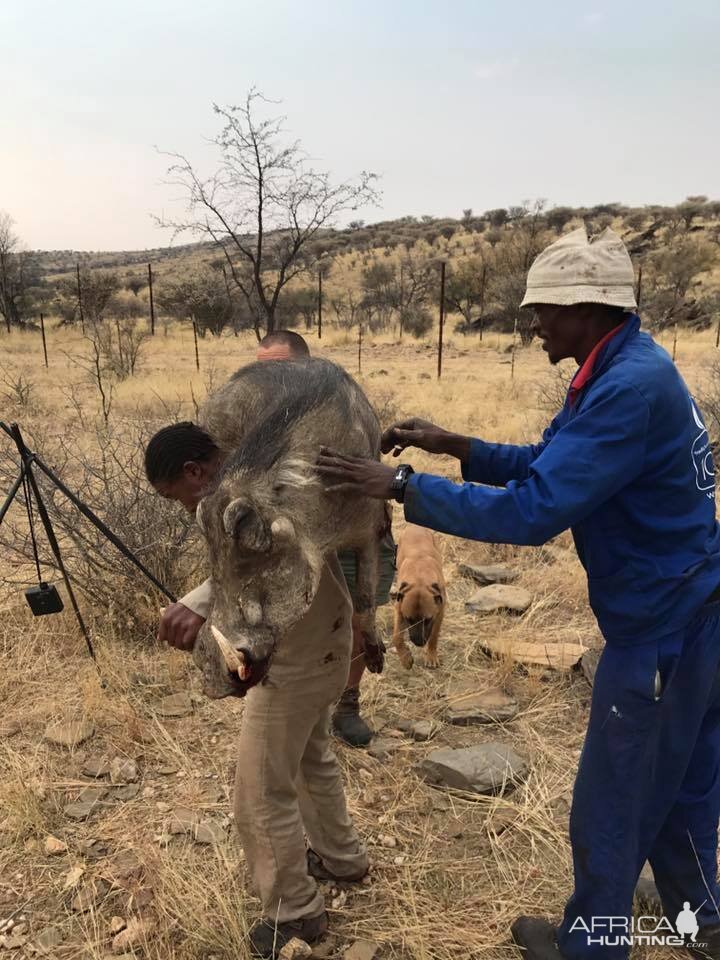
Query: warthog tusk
(234,660)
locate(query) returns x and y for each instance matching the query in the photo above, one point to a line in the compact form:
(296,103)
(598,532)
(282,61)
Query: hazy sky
(455,103)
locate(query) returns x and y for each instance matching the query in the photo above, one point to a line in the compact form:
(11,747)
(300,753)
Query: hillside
(385,275)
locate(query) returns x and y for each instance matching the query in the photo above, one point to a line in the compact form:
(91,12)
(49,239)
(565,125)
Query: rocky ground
(117,834)
(116,838)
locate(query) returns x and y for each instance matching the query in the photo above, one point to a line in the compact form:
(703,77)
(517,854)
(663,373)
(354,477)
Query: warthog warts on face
(269,523)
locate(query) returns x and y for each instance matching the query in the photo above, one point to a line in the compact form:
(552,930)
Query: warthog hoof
(374,653)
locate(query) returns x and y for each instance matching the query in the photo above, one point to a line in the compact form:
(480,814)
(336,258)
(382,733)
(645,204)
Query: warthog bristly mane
(296,388)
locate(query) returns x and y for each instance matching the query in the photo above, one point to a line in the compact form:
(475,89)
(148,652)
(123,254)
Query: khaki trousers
(287,783)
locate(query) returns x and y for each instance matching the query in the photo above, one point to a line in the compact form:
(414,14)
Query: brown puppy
(420,597)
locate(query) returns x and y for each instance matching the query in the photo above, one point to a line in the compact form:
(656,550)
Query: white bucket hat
(577,270)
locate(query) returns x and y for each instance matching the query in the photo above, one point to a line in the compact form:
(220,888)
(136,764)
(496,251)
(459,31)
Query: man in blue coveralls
(627,465)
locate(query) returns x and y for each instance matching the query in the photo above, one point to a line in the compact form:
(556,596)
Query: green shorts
(388,550)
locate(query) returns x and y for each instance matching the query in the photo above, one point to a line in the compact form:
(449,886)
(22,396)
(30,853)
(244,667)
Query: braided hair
(170,448)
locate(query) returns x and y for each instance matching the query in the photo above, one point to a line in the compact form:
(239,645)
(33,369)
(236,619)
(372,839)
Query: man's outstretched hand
(425,436)
(355,475)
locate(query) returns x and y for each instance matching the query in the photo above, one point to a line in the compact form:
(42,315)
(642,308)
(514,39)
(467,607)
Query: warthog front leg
(367,569)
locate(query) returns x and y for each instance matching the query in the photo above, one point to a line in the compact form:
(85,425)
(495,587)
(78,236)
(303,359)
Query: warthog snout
(245,525)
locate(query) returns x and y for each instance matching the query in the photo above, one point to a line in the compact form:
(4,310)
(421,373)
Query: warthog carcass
(269,522)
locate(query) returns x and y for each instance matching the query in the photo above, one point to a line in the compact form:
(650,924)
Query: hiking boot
(536,938)
(710,937)
(318,870)
(267,938)
(347,723)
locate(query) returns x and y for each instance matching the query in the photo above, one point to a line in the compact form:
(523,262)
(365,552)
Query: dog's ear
(397,593)
(437,593)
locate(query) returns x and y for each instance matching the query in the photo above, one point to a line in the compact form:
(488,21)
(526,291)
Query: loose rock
(323,950)
(295,949)
(123,770)
(381,748)
(128,792)
(208,831)
(136,932)
(362,950)
(126,865)
(176,705)
(69,733)
(96,767)
(92,794)
(559,656)
(499,597)
(73,877)
(89,894)
(466,706)
(422,730)
(589,664)
(487,574)
(486,768)
(9,728)
(81,810)
(182,821)
(214,793)
(54,847)
(93,849)
(13,941)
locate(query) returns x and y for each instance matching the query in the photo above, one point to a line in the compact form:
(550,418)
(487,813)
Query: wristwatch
(400,481)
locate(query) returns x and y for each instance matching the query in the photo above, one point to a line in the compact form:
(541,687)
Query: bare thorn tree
(14,279)
(263,205)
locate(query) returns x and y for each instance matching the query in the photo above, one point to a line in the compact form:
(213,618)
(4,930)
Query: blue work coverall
(627,465)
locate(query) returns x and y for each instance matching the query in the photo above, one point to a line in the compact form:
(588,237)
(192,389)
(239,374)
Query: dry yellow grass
(462,868)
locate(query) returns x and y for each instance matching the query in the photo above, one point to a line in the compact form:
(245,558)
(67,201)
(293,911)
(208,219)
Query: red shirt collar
(588,368)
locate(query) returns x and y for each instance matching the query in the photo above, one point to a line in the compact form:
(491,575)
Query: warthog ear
(236,513)
(245,525)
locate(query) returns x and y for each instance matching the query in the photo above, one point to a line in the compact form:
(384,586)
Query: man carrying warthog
(347,722)
(627,465)
(288,781)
